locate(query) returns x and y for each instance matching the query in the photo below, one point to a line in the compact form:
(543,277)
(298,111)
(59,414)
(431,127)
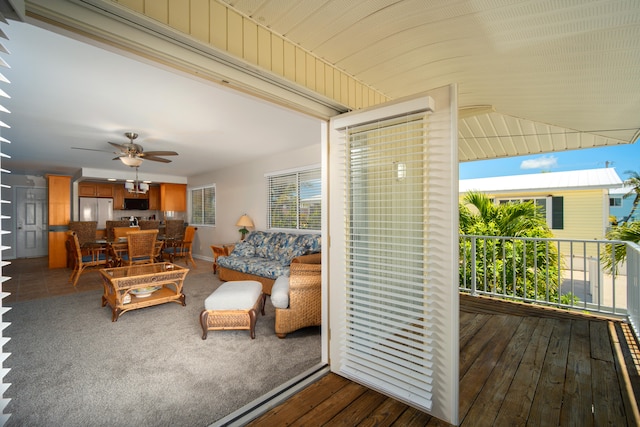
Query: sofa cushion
(254,265)
(310,242)
(285,248)
(262,243)
(280,292)
(244,249)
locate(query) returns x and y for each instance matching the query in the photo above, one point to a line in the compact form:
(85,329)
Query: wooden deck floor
(519,366)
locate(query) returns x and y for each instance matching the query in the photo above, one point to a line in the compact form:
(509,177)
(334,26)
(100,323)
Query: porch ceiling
(556,75)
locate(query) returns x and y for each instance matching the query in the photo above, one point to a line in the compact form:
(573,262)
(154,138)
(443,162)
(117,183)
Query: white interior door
(393,233)
(31,222)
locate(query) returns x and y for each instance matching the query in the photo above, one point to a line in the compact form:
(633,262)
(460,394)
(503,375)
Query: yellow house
(576,203)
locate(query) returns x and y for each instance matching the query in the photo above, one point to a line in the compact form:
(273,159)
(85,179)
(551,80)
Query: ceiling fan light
(131,161)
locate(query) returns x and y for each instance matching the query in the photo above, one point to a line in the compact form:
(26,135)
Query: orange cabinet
(59,192)
(154,198)
(173,197)
(118,196)
(94,189)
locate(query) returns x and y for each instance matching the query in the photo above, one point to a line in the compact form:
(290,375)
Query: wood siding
(220,26)
(584,211)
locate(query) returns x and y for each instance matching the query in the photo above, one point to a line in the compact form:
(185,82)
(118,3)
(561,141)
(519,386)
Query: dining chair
(141,247)
(174,228)
(157,254)
(181,248)
(120,232)
(93,256)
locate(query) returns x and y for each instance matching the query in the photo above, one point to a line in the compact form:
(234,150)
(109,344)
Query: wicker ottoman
(234,305)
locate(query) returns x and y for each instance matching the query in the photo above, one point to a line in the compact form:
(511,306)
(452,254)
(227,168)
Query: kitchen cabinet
(154,198)
(94,189)
(173,197)
(118,196)
(59,194)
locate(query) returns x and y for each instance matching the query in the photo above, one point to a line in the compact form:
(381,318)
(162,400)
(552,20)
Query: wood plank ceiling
(538,75)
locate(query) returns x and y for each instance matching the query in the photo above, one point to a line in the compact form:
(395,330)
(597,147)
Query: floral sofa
(265,256)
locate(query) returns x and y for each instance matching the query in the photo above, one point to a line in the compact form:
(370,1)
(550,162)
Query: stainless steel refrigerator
(96,209)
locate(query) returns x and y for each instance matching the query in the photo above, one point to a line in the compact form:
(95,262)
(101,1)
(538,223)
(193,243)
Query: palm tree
(634,182)
(480,216)
(615,254)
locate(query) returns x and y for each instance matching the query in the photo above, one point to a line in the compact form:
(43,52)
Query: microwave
(136,204)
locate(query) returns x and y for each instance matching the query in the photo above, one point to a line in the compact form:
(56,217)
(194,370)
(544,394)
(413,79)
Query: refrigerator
(96,209)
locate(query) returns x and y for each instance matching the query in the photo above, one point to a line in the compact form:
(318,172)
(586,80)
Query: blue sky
(621,157)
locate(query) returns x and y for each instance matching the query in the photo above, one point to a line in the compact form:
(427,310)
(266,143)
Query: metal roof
(567,180)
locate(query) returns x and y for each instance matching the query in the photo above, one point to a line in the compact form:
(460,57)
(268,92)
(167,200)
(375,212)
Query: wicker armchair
(304,297)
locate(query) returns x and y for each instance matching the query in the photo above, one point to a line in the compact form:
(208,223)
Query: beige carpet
(71,366)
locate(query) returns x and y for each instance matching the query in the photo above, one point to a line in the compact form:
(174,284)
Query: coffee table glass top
(141,270)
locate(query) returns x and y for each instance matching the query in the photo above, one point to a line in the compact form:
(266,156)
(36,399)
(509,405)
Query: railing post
(473,266)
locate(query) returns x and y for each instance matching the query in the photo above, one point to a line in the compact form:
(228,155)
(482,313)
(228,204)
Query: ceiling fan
(132,154)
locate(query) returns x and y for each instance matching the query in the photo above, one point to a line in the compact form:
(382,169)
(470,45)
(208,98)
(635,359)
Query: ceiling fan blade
(156,159)
(158,153)
(119,146)
(90,149)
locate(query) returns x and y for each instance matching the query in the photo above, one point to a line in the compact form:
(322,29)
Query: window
(203,205)
(615,201)
(549,207)
(295,199)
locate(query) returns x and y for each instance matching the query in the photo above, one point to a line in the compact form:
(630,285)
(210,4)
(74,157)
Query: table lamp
(244,222)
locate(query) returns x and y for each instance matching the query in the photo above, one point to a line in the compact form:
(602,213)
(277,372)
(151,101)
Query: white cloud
(544,162)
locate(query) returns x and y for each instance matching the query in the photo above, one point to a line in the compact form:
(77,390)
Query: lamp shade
(244,221)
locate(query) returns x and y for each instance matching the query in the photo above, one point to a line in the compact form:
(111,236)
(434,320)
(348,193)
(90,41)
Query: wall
(242,189)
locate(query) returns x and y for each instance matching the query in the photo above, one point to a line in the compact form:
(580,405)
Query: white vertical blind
(393,250)
(8,8)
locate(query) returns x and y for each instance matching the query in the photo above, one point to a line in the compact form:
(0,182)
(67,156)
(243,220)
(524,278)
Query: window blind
(295,199)
(388,338)
(203,205)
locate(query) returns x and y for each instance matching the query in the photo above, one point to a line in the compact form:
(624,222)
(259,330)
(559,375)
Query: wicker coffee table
(139,286)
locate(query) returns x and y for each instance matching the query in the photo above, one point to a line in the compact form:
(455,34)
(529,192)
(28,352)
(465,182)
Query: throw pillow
(280,292)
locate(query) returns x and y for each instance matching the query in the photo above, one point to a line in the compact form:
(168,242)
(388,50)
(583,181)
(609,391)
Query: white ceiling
(66,93)
(556,73)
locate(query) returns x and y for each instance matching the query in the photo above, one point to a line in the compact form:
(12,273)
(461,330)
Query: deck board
(518,366)
(577,388)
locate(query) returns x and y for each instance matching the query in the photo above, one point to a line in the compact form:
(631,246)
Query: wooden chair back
(174,228)
(182,248)
(113,224)
(148,224)
(85,230)
(120,232)
(87,257)
(141,247)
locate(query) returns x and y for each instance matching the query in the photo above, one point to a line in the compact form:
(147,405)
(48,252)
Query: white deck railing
(556,272)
